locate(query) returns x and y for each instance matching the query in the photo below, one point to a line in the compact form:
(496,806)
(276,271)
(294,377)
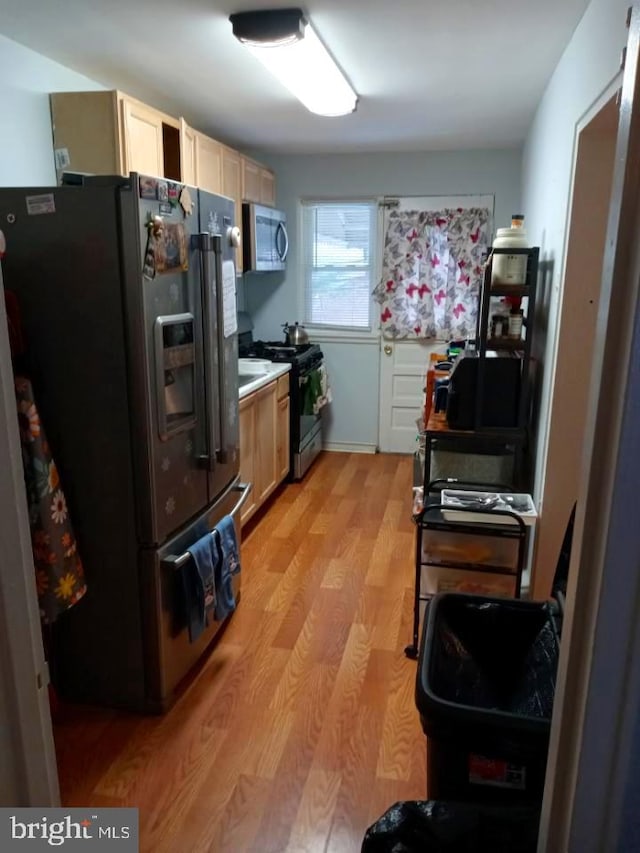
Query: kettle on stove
(295,335)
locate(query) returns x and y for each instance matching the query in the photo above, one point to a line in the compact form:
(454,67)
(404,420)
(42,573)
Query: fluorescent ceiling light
(288,46)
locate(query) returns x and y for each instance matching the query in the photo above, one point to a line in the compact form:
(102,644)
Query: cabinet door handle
(388,349)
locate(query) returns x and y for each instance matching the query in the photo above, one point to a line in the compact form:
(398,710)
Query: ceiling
(431,74)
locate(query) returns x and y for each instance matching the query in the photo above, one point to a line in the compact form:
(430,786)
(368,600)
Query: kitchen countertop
(264,372)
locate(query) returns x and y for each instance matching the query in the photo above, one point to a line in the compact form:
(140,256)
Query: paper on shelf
(229,298)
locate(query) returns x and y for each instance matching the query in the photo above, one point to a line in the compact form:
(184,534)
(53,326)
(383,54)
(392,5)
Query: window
(338,258)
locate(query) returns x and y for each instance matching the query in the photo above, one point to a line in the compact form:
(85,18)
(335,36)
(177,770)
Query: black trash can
(485,688)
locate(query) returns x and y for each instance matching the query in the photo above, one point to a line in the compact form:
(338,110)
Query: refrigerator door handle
(179,562)
(222,452)
(205,244)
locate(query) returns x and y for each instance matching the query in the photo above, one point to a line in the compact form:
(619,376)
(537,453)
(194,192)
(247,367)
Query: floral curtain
(432,273)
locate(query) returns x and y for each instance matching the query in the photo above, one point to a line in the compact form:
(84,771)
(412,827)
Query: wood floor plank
(315,813)
(282,808)
(401,731)
(358,763)
(345,699)
(235,833)
(299,729)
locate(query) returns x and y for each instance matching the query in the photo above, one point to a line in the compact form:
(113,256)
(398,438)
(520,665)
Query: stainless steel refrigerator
(127,293)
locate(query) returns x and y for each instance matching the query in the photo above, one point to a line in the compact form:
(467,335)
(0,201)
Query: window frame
(325,331)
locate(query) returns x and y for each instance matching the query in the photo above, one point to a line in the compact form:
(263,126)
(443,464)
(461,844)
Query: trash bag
(433,826)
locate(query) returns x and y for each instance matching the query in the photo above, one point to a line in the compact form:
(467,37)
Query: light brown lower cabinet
(283,437)
(264,442)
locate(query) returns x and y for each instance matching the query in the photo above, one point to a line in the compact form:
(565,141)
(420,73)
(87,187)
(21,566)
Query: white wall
(273,299)
(26,78)
(587,68)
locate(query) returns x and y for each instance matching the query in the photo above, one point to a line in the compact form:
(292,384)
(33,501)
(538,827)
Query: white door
(403,364)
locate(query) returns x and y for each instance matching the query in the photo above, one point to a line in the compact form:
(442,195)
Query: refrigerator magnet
(163,191)
(149,264)
(173,193)
(171,253)
(185,201)
(148,188)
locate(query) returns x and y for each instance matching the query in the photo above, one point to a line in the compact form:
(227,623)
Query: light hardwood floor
(301,727)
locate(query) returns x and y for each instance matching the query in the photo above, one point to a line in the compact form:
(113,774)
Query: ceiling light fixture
(288,46)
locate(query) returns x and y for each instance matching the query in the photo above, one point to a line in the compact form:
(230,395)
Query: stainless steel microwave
(264,238)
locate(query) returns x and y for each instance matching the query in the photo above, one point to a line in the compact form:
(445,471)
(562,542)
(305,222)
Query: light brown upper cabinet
(188,153)
(201,159)
(208,163)
(267,187)
(143,144)
(258,183)
(111,133)
(232,188)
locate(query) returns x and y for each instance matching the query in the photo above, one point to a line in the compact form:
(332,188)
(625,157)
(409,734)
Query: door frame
(28,773)
(594,768)
(571,370)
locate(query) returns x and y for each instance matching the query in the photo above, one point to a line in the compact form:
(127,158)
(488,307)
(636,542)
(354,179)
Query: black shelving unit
(431,518)
(520,348)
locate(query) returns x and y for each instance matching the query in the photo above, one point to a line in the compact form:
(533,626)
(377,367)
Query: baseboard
(346,447)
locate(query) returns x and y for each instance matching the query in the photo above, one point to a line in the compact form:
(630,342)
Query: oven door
(306,437)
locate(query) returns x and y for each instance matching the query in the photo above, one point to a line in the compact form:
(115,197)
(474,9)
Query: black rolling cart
(454,542)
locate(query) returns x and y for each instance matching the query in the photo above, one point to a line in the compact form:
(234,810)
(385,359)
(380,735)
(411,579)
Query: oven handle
(178,562)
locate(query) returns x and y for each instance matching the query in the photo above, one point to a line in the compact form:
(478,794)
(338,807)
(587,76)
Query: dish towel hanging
(198,579)
(316,391)
(228,566)
(59,573)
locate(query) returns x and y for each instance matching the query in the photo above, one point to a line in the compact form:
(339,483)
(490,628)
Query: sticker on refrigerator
(39,204)
(171,249)
(148,188)
(229,298)
(213,225)
(62,158)
(149,262)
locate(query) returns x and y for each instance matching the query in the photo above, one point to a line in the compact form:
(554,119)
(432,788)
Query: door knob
(387,349)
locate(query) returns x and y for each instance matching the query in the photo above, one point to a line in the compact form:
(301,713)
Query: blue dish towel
(199,581)
(228,565)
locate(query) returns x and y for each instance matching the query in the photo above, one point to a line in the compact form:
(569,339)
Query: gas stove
(304,427)
(303,356)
